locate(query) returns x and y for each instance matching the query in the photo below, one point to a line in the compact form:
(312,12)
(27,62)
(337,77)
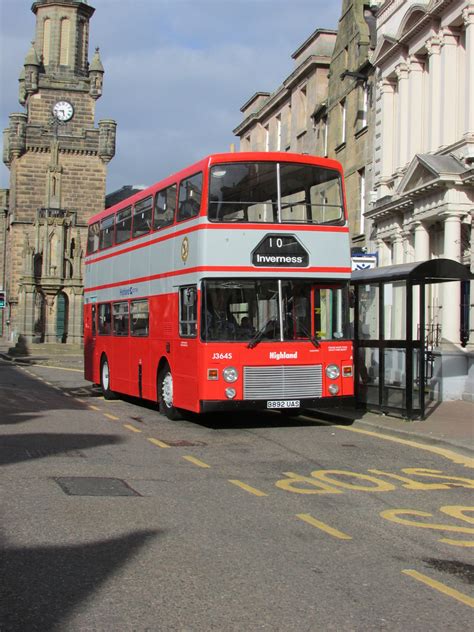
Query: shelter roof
(433,271)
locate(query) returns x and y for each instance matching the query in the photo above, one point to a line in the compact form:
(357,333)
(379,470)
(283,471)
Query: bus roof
(213,159)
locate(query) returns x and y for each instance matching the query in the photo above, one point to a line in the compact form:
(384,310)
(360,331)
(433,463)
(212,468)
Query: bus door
(185,378)
(90,335)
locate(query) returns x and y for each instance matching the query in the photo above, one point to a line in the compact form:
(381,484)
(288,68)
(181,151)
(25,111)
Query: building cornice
(282,93)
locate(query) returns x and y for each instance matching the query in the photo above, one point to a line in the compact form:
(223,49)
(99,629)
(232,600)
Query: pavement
(449,423)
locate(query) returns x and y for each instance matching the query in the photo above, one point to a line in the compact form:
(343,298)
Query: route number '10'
(278,242)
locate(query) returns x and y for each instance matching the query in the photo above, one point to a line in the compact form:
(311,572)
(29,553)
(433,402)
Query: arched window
(64,42)
(46,41)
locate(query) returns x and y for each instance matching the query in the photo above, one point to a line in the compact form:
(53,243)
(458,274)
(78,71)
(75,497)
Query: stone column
(451,315)
(433,46)
(403,116)
(415,106)
(50,317)
(422,242)
(387,93)
(449,91)
(75,316)
(398,295)
(422,253)
(468,17)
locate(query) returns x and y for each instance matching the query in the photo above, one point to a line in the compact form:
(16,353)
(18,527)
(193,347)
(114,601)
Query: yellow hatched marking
(113,417)
(324,527)
(160,444)
(446,590)
(66,394)
(48,383)
(93,407)
(447,454)
(197,462)
(248,488)
(82,401)
(132,428)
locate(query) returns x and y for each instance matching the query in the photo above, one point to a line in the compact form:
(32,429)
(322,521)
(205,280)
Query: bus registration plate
(284,403)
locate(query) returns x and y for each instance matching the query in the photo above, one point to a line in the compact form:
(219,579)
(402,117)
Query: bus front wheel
(165,394)
(105,379)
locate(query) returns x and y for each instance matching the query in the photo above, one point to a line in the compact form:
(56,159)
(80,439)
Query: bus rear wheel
(165,394)
(105,379)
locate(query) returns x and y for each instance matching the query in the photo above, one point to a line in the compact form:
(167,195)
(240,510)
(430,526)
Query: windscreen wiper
(259,335)
(313,339)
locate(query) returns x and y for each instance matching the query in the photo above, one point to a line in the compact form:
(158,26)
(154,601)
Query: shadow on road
(41,587)
(24,399)
(16,448)
(263,419)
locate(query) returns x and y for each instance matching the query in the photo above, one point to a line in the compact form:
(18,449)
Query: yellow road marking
(324,527)
(93,407)
(113,417)
(66,394)
(80,400)
(197,462)
(248,488)
(447,454)
(48,383)
(132,428)
(160,444)
(446,590)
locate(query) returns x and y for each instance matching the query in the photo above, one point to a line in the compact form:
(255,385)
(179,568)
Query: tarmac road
(115,518)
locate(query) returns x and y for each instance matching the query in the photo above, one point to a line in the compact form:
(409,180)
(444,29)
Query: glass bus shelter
(390,340)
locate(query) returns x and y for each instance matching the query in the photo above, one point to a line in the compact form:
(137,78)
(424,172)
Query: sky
(177,72)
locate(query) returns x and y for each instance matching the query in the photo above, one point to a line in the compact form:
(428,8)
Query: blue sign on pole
(364,262)
(2,299)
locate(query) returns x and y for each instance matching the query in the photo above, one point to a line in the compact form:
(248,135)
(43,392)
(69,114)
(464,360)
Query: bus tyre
(105,379)
(165,394)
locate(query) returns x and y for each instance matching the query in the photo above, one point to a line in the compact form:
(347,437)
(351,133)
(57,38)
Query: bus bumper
(212,406)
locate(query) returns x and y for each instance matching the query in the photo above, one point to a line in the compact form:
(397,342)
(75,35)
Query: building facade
(344,119)
(424,161)
(282,120)
(58,165)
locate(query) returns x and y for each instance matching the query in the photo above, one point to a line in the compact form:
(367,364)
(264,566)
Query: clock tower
(58,165)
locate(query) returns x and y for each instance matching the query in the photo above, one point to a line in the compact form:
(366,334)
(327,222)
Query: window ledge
(340,147)
(361,131)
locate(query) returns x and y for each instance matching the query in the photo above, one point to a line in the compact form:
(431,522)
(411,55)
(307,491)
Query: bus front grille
(283,382)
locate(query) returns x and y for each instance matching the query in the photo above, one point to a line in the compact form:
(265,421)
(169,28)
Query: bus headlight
(333,389)
(332,371)
(230,392)
(230,374)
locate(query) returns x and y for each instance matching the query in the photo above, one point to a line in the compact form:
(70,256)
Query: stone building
(282,120)
(424,160)
(344,117)
(58,164)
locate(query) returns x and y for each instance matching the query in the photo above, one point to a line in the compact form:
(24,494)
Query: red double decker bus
(224,287)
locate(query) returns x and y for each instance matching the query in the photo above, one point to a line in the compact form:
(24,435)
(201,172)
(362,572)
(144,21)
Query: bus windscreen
(254,310)
(268,192)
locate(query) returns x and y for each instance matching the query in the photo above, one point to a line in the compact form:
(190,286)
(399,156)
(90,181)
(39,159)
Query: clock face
(63,110)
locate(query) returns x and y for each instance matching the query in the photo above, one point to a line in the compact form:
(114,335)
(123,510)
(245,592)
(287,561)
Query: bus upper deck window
(93,238)
(190,193)
(123,225)
(142,217)
(106,232)
(165,207)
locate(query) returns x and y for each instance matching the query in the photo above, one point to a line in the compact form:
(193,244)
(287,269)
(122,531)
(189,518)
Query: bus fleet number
(222,356)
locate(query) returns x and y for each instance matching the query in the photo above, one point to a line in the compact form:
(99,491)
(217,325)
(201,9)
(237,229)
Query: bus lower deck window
(139,318)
